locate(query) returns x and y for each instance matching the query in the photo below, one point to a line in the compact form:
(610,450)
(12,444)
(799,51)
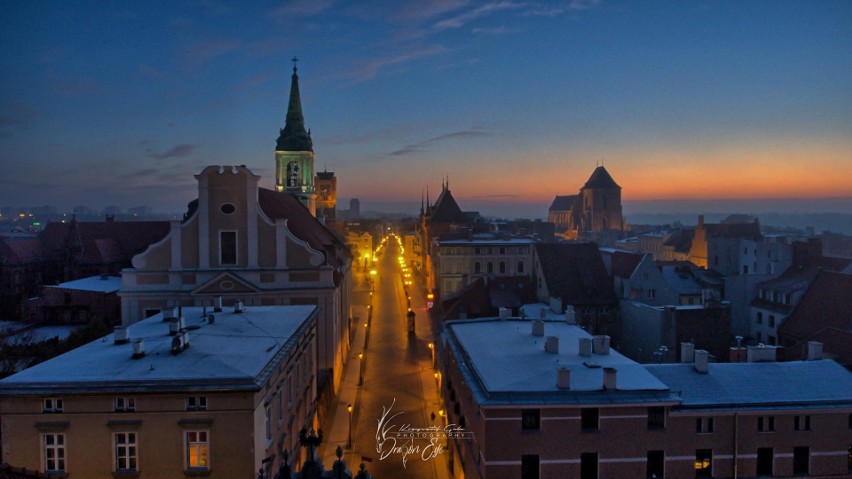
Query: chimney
(701,359)
(814,351)
(169,313)
(505,313)
(538,328)
(239,307)
(551,344)
(761,354)
(563,378)
(542,313)
(176,326)
(138,349)
(585,346)
(120,335)
(687,352)
(609,382)
(570,315)
(217,304)
(180,342)
(600,344)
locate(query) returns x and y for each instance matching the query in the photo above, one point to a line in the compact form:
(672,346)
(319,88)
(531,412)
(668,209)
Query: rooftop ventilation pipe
(687,352)
(585,346)
(120,335)
(538,328)
(563,378)
(701,359)
(551,344)
(609,377)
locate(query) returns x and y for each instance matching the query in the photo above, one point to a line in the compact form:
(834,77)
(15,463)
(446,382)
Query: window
(758,336)
(652,293)
(476,250)
(227,247)
(531,419)
(502,266)
(51,405)
(771,340)
(268,422)
(520,266)
(656,466)
(764,461)
(477,268)
(196,403)
(125,451)
(589,419)
(227,208)
(529,466)
(771,321)
(704,424)
(802,423)
(197,450)
(502,250)
(280,408)
(589,465)
(123,404)
(490,267)
(801,460)
(656,418)
(759,318)
(54,452)
(703,462)
(766,424)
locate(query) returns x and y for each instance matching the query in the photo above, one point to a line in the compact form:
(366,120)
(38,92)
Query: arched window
(490,267)
(520,266)
(477,268)
(502,267)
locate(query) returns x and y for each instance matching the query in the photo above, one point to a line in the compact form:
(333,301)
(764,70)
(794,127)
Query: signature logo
(404,440)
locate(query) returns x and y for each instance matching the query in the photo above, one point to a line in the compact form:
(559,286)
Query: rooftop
(232,353)
(487,242)
(109,284)
(506,357)
(760,384)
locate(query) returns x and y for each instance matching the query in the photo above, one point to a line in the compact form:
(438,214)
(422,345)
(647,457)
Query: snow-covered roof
(487,242)
(763,384)
(680,282)
(232,353)
(507,358)
(110,284)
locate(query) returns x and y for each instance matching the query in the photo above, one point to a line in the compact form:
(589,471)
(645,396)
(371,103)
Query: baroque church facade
(239,242)
(594,214)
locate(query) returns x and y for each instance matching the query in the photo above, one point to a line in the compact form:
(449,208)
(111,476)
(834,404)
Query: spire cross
(294,60)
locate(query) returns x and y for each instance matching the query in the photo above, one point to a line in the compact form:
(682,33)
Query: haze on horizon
(686,103)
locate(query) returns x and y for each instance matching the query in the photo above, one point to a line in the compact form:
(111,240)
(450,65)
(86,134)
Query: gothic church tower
(294,152)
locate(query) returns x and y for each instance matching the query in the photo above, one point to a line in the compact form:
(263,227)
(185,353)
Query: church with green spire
(294,152)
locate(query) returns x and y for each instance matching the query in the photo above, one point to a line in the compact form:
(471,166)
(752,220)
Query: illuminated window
(228,247)
(54,452)
(125,451)
(51,405)
(196,403)
(123,404)
(703,462)
(197,450)
(531,419)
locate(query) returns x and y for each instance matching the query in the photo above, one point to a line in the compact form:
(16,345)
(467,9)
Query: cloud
(371,68)
(501,30)
(553,11)
(179,151)
(461,20)
(424,10)
(15,116)
(422,145)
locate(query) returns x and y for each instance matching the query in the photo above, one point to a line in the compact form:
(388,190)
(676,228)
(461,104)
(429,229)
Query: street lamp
(349,408)
(360,369)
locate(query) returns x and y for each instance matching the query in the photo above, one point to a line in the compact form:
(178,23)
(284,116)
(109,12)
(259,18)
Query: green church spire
(294,137)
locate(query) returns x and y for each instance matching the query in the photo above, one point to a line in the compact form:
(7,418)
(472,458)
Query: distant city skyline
(684,103)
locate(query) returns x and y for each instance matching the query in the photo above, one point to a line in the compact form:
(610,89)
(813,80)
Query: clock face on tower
(325,192)
(293,175)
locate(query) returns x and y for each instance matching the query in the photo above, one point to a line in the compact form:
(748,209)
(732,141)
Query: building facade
(460,262)
(243,243)
(188,392)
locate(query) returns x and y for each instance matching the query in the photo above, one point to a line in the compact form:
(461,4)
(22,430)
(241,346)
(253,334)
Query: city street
(397,377)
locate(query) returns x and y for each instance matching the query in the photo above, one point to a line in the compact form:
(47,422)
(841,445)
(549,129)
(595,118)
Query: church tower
(601,203)
(294,152)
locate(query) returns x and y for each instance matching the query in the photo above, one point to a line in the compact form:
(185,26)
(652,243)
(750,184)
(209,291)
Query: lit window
(197,450)
(54,452)
(50,405)
(703,462)
(125,451)
(123,404)
(196,403)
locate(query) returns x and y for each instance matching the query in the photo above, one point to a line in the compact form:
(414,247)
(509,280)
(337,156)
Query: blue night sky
(123,102)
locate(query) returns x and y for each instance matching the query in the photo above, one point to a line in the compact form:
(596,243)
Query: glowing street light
(349,408)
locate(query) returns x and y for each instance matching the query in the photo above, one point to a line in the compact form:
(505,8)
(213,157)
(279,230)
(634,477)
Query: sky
(121,103)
